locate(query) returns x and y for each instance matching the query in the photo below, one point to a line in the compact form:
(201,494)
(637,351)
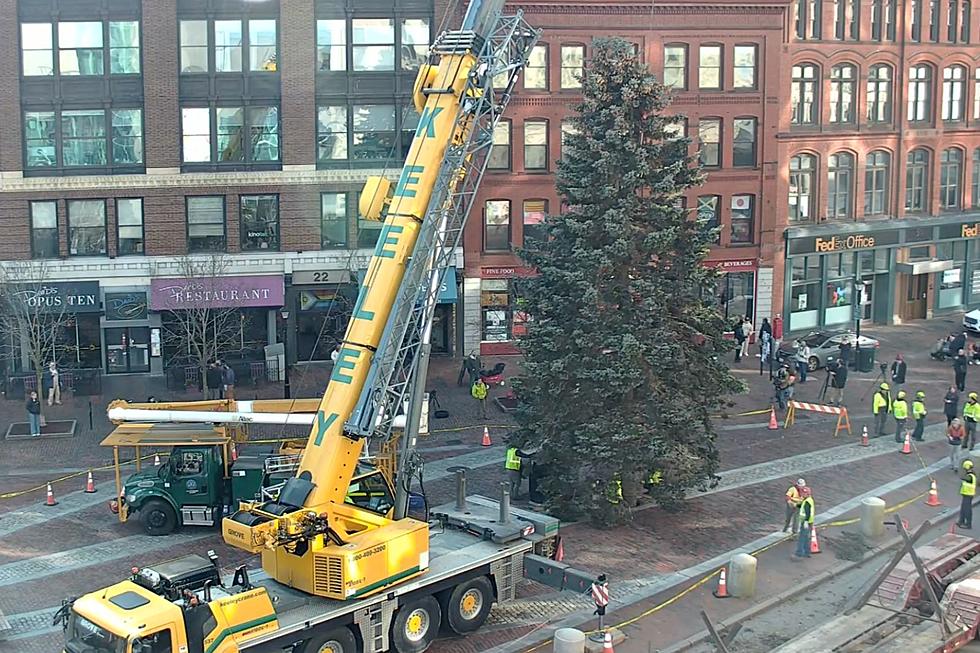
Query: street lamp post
(858,310)
(286,390)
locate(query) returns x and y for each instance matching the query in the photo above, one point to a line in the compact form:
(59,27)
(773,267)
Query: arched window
(842,80)
(917,181)
(950,173)
(920,93)
(954,82)
(876,182)
(880,93)
(803,94)
(840,181)
(801,170)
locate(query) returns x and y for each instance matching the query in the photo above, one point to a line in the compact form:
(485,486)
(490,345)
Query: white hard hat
(800,482)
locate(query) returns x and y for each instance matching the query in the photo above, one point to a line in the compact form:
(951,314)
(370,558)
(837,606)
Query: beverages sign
(61,296)
(221,292)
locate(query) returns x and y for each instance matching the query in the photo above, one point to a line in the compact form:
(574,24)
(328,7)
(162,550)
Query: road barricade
(843,421)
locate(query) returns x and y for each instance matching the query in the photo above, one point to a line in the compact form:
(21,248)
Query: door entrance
(916,292)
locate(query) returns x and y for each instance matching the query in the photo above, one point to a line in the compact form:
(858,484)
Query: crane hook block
(375,198)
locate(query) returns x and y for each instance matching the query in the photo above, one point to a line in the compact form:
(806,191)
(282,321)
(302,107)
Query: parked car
(971,321)
(824,347)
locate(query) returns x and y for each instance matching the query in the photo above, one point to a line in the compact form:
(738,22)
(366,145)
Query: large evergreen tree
(623,362)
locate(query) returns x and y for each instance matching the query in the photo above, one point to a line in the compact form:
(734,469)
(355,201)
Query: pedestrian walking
(765,352)
(951,404)
(747,332)
(955,434)
(959,369)
(968,489)
(34,414)
(844,351)
(802,359)
(214,381)
(900,410)
(898,370)
(740,339)
(971,415)
(881,408)
(838,379)
(957,342)
(479,392)
(765,329)
(793,499)
(228,379)
(52,381)
(919,413)
(806,514)
(335,354)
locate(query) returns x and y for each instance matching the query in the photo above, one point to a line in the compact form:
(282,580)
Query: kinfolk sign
(223,292)
(61,297)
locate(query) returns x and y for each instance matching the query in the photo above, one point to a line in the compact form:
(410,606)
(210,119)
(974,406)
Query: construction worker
(479,392)
(968,489)
(793,500)
(900,409)
(512,464)
(614,492)
(971,415)
(919,415)
(881,408)
(806,514)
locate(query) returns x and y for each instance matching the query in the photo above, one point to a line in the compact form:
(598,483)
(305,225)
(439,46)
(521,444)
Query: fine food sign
(218,292)
(61,296)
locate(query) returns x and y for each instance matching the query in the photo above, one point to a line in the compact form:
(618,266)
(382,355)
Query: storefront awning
(924,267)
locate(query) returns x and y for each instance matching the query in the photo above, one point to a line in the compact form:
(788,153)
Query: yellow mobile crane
(339,578)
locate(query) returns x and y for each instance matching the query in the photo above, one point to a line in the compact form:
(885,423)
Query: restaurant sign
(737,265)
(221,292)
(61,296)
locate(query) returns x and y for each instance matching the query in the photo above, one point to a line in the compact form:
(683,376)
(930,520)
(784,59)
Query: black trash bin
(866,359)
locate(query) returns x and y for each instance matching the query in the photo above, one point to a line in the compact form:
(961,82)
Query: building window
(709,139)
(243,134)
(262,55)
(934,21)
(950,171)
(916,27)
(206,224)
(876,183)
(917,181)
(331,45)
(331,134)
(743,142)
(675,66)
(534,214)
(228,46)
(37,49)
(80,48)
(333,220)
(803,95)
(975,179)
(952,14)
(568,129)
(890,17)
(876,20)
(801,169)
(499,157)
(415,42)
(743,219)
(194,44)
(536,70)
(231,45)
(410,124)
(920,86)
(496,309)
(842,81)
(374,134)
(840,19)
(743,70)
(83,135)
(496,226)
(44,230)
(880,94)
(124,47)
(572,66)
(86,228)
(954,80)
(840,181)
(807,18)
(854,24)
(535,145)
(259,222)
(374,44)
(976,94)
(129,226)
(676,129)
(709,67)
(79,139)
(965,22)
(709,214)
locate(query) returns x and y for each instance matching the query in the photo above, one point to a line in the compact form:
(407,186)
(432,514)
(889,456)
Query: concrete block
(569,640)
(872,517)
(741,576)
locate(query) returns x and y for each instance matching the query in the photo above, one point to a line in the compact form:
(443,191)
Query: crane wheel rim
(333,646)
(417,625)
(471,603)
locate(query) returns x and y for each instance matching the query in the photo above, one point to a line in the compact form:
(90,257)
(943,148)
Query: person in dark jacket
(957,343)
(951,404)
(228,378)
(959,369)
(740,337)
(898,369)
(844,351)
(766,328)
(215,382)
(34,414)
(838,380)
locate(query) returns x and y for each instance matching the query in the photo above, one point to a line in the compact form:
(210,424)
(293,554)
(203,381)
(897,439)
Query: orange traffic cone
(156,460)
(907,447)
(933,499)
(773,424)
(814,544)
(50,500)
(559,554)
(864,437)
(90,484)
(722,591)
(486,437)
(607,643)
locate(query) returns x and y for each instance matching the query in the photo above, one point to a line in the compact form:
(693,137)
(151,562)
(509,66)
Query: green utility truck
(199,480)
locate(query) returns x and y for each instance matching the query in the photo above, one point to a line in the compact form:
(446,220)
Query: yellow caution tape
(20,493)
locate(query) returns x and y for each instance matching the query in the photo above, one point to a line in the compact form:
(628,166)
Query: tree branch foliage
(622,358)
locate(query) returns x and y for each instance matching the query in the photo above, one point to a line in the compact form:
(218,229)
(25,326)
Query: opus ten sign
(61,297)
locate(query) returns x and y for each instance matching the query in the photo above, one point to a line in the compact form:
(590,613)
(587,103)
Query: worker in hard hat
(881,408)
(900,409)
(919,413)
(971,415)
(968,489)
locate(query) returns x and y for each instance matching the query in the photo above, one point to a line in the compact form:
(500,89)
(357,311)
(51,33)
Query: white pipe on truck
(217,417)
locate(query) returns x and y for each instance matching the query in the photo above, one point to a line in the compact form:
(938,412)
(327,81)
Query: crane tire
(467,606)
(338,640)
(416,625)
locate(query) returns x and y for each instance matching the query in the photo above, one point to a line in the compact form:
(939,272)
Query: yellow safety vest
(971,411)
(513,460)
(968,487)
(615,492)
(918,409)
(479,391)
(881,402)
(807,502)
(900,409)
